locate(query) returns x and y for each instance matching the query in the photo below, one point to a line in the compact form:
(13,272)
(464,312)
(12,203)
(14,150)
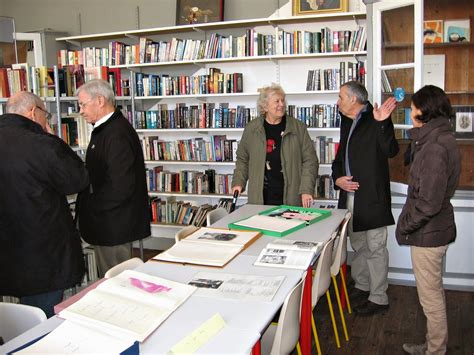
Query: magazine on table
(292,254)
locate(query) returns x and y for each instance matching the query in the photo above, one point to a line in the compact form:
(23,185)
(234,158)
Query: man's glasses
(84,104)
(46,113)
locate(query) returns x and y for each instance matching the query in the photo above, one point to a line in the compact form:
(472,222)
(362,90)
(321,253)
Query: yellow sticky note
(199,336)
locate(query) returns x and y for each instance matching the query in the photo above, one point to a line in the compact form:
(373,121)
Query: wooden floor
(403,322)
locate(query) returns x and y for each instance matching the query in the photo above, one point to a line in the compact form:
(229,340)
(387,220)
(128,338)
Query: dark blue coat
(371,145)
(114,210)
(40,247)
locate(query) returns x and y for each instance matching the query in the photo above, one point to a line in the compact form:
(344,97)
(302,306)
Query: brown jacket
(427,219)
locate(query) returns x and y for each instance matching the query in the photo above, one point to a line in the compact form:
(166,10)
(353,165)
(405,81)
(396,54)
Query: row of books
(324,41)
(332,79)
(91,266)
(325,188)
(23,77)
(316,116)
(170,211)
(188,181)
(251,43)
(41,80)
(204,115)
(165,85)
(326,149)
(215,149)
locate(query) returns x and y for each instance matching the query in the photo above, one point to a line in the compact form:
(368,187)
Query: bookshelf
(458,71)
(257,69)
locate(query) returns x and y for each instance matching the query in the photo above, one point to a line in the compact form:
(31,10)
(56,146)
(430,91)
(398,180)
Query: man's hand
(237,188)
(306,200)
(346,183)
(383,112)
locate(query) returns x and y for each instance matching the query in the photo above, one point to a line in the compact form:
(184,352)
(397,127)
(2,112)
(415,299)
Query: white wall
(91,16)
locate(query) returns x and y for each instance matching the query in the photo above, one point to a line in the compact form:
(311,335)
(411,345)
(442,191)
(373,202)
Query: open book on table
(130,305)
(292,254)
(281,220)
(209,246)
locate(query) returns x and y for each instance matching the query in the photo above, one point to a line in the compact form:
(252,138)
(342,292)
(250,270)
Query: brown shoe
(369,308)
(417,349)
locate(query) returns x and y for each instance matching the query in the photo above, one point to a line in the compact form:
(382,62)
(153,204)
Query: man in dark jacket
(40,252)
(113,211)
(360,171)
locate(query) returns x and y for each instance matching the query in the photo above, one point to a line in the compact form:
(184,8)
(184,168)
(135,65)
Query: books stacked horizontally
(282,220)
(292,254)
(113,316)
(209,246)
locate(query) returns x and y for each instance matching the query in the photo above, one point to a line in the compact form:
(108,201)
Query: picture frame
(311,7)
(190,12)
(463,123)
(433,31)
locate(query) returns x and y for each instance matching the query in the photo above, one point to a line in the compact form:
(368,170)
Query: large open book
(209,246)
(282,220)
(129,306)
(292,254)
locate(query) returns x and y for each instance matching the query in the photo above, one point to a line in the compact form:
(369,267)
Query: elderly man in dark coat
(41,252)
(360,171)
(113,211)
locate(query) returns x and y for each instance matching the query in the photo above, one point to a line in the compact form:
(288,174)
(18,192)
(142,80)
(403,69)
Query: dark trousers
(45,301)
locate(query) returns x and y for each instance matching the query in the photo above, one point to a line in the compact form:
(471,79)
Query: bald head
(22,102)
(28,105)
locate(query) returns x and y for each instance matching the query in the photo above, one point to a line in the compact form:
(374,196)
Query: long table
(245,320)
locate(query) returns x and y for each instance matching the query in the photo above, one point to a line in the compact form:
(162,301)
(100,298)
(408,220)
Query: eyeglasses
(46,113)
(84,104)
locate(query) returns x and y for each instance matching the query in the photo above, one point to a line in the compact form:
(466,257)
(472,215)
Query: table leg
(256,350)
(306,310)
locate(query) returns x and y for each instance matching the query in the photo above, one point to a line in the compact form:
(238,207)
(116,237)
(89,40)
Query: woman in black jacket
(427,219)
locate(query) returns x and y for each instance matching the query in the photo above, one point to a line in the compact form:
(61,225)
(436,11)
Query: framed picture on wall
(310,7)
(464,122)
(190,12)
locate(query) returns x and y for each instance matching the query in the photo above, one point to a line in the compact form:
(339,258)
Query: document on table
(192,342)
(72,338)
(235,286)
(130,305)
(209,246)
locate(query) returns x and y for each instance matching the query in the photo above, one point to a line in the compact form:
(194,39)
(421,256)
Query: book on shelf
(457,30)
(209,246)
(433,31)
(281,220)
(129,306)
(291,254)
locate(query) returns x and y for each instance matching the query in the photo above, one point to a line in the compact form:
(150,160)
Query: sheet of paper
(221,236)
(235,286)
(72,338)
(192,342)
(270,223)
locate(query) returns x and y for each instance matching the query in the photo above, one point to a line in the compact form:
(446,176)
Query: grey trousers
(427,267)
(109,256)
(369,268)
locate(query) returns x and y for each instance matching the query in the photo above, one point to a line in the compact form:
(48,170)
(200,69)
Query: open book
(292,254)
(129,306)
(209,246)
